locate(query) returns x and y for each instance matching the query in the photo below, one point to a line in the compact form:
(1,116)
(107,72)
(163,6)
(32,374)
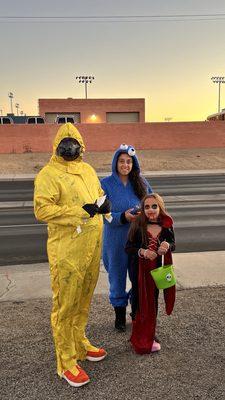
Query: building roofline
(91,99)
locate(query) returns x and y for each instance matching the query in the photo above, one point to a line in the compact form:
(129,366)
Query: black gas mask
(69,149)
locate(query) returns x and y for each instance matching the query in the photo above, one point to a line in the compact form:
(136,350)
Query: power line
(115,18)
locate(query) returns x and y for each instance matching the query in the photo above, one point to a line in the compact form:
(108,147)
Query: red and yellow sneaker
(76,380)
(98,355)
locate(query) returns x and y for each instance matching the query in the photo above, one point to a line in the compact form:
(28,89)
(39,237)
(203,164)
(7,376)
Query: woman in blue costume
(124,188)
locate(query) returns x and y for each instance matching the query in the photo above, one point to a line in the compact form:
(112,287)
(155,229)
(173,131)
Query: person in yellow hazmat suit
(68,197)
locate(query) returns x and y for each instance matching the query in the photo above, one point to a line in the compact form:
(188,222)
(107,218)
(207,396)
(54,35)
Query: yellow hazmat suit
(74,247)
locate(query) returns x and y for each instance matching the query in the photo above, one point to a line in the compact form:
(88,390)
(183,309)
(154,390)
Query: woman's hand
(129,217)
(163,248)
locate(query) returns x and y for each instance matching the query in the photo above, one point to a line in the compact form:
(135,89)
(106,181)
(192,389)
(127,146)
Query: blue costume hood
(128,149)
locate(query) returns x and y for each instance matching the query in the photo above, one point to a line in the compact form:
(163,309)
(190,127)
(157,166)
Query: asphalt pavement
(196,201)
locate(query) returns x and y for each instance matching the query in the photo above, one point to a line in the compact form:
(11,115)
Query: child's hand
(163,248)
(149,254)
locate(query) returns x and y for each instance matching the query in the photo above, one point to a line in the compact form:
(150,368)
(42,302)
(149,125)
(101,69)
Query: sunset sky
(169,61)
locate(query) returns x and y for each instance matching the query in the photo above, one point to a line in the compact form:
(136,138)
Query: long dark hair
(141,221)
(137,182)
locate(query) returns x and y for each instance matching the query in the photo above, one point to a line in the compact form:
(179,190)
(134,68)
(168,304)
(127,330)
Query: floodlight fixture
(86,80)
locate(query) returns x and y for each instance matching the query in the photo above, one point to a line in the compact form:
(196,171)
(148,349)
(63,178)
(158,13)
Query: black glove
(105,208)
(91,209)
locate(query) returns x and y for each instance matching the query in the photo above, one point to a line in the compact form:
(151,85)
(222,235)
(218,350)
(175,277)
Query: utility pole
(85,80)
(219,80)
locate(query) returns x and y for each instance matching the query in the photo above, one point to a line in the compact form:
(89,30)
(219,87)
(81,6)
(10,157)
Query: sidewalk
(193,270)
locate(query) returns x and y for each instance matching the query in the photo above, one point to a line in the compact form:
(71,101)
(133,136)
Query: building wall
(88,107)
(107,137)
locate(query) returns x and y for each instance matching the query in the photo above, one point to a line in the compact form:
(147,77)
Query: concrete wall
(107,137)
(88,107)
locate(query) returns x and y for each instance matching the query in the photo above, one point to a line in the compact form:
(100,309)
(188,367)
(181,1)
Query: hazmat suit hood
(65,131)
(68,130)
(128,149)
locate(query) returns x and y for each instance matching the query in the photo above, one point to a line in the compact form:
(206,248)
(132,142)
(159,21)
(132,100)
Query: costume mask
(69,149)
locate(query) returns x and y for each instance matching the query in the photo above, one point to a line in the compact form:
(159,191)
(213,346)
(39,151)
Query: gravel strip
(189,366)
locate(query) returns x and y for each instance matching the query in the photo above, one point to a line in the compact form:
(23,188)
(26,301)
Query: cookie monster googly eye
(131,152)
(123,146)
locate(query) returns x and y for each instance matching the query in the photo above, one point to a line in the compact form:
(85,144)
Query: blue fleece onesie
(115,233)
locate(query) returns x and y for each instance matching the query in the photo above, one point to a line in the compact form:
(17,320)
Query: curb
(150,174)
(168,199)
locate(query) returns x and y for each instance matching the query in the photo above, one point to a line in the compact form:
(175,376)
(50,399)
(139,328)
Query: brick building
(94,110)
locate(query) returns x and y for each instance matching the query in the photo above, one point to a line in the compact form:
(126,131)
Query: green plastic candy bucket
(164,276)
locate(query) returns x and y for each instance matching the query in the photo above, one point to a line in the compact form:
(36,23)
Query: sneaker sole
(95,359)
(73,383)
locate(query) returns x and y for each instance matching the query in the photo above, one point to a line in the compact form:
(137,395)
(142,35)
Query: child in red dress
(151,236)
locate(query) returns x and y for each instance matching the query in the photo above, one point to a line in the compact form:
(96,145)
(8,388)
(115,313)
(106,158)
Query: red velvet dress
(144,325)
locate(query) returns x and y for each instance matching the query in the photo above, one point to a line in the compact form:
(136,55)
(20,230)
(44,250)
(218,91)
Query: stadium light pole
(17,108)
(219,80)
(86,80)
(11,97)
